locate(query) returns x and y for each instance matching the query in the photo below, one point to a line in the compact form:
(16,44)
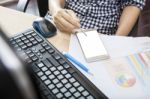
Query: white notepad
(92,46)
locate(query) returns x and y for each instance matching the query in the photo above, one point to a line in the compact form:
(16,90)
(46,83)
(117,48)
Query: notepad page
(92,46)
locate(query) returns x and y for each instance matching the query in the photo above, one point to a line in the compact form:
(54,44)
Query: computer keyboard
(56,77)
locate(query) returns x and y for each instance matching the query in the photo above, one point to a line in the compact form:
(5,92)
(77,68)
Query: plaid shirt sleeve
(138,3)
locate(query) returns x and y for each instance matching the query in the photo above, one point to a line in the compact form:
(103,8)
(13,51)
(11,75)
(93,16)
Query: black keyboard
(56,77)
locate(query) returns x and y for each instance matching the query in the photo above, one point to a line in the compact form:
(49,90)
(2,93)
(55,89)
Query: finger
(58,25)
(64,25)
(71,19)
(65,22)
(71,13)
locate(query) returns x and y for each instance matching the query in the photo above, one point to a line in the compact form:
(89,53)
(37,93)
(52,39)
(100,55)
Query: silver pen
(80,30)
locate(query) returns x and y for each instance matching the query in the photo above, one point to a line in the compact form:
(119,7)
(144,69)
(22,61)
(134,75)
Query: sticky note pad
(92,46)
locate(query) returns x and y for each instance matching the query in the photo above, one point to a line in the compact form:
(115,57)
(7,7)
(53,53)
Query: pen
(72,59)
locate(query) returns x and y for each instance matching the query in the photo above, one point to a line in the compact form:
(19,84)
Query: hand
(66,21)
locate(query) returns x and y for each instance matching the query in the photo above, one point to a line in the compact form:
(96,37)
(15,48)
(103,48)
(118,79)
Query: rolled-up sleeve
(138,3)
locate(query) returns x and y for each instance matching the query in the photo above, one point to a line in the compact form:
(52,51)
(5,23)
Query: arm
(65,20)
(55,5)
(128,19)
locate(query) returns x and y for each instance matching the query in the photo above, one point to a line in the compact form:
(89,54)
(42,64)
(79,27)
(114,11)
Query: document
(92,45)
(118,47)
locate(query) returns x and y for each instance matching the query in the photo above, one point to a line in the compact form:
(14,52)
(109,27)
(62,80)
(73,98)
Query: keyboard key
(28,51)
(81,97)
(81,88)
(90,97)
(28,36)
(47,47)
(20,43)
(60,68)
(31,55)
(64,81)
(72,90)
(47,82)
(55,81)
(56,56)
(66,65)
(61,61)
(51,76)
(33,34)
(51,86)
(48,72)
(26,41)
(44,69)
(72,80)
(18,40)
(64,72)
(76,84)
(67,94)
(31,39)
(40,73)
(47,63)
(13,42)
(63,89)
(59,95)
(23,38)
(68,76)
(68,85)
(34,42)
(56,73)
(60,77)
(85,93)
(29,44)
(51,51)
(23,46)
(54,62)
(43,77)
(44,44)
(38,39)
(59,85)
(77,94)
(40,64)
(34,58)
(53,68)
(55,90)
(42,50)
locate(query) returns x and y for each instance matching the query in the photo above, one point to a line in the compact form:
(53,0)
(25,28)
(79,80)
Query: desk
(13,22)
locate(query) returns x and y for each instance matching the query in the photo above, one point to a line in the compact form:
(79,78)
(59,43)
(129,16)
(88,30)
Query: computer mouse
(44,27)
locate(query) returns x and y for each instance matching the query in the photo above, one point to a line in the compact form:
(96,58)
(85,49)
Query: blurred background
(32,7)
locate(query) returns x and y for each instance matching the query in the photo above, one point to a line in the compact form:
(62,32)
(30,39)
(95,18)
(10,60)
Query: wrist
(54,7)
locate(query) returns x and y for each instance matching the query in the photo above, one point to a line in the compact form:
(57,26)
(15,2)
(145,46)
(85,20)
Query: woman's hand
(66,20)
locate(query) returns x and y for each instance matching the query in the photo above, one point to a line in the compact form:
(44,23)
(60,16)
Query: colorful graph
(140,63)
(125,80)
(124,71)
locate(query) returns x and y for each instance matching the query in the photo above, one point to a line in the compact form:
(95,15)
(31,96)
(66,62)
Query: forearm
(55,5)
(127,21)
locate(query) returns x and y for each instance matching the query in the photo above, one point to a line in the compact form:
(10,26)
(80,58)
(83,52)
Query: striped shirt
(102,15)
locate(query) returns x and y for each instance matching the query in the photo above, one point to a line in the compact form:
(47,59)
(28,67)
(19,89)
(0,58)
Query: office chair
(21,4)
(43,7)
